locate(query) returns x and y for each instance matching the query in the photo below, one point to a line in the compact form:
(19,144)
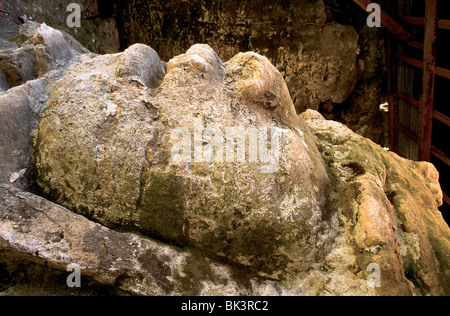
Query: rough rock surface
(389,210)
(98,32)
(41,231)
(311,221)
(317,59)
(31,61)
(107,153)
(36,50)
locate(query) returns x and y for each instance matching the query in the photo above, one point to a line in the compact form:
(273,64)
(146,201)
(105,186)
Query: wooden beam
(416,44)
(429,64)
(389,23)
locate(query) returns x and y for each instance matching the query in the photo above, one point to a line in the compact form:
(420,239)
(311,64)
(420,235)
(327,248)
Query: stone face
(331,61)
(320,70)
(108,154)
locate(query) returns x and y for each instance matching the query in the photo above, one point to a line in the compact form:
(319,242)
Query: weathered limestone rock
(135,144)
(98,35)
(328,65)
(36,51)
(4,85)
(323,70)
(141,63)
(389,208)
(40,231)
(108,153)
(19,113)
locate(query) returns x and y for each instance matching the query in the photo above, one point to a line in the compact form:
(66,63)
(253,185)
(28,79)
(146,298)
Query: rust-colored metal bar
(408,132)
(441,118)
(412,20)
(442,72)
(446,199)
(429,65)
(410,61)
(441,156)
(389,23)
(408,99)
(442,24)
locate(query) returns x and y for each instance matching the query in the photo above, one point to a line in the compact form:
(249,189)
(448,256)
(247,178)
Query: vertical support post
(429,65)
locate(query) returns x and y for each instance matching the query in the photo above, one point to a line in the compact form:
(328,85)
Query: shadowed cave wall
(331,60)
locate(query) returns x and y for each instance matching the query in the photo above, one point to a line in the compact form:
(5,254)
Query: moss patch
(158,268)
(161,206)
(196,269)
